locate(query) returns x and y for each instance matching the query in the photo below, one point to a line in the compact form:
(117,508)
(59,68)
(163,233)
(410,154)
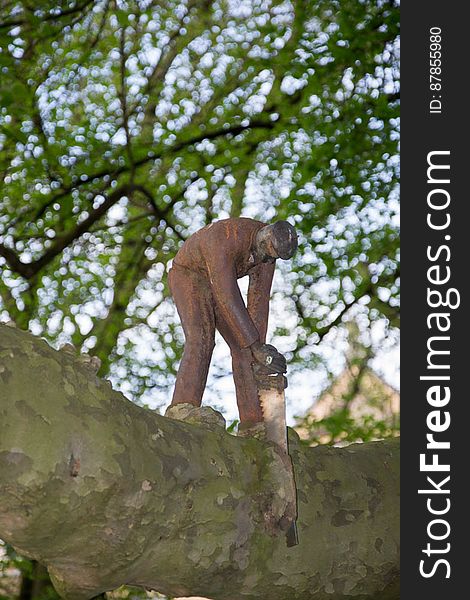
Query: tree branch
(367,288)
(156,79)
(64,13)
(104,493)
(31,269)
(15,264)
(132,268)
(152,156)
(324,330)
(123,99)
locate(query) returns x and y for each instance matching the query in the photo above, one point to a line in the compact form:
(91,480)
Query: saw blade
(273,404)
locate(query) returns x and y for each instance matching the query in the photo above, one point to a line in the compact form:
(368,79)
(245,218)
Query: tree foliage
(127,125)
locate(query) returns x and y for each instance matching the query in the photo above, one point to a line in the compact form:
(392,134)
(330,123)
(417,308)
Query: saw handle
(268,357)
(267,380)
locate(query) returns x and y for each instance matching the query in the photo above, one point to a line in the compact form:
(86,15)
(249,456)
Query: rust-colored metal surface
(203,283)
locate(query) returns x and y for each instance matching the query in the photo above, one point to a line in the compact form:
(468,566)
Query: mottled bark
(104,493)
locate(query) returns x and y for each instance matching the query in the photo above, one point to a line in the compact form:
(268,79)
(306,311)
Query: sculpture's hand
(267,356)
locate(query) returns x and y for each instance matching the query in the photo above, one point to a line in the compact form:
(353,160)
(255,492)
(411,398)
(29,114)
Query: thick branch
(156,79)
(132,267)
(152,156)
(29,270)
(15,263)
(104,493)
(115,172)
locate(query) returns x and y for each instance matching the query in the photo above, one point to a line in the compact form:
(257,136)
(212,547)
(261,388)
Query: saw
(273,403)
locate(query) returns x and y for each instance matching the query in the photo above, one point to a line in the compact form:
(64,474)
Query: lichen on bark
(104,492)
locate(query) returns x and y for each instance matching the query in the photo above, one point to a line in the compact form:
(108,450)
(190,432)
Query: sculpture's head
(278,240)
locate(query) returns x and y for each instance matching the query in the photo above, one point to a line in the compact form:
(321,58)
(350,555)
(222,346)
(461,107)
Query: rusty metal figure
(203,283)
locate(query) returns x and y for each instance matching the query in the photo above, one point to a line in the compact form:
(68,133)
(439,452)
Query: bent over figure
(203,283)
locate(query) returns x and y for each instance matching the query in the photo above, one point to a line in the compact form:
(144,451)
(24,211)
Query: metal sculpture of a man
(203,283)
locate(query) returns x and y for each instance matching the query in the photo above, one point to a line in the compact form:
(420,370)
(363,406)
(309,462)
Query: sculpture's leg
(194,303)
(249,407)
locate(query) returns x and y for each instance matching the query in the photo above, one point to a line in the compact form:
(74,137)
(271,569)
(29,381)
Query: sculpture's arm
(259,291)
(223,279)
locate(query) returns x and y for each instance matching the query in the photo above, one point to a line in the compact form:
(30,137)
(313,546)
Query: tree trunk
(104,493)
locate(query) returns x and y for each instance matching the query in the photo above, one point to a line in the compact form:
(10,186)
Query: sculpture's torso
(232,238)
